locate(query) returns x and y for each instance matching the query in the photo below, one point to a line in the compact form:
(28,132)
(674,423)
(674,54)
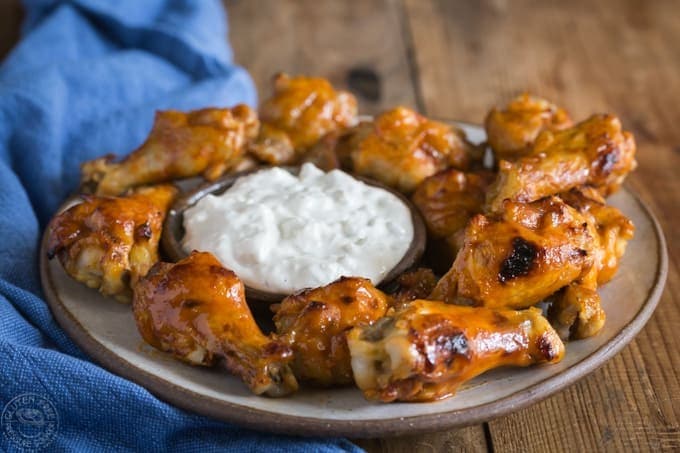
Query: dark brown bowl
(173,229)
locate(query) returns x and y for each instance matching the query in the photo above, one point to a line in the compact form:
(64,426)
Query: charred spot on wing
(545,345)
(448,347)
(277,348)
(143,231)
(520,261)
(346,299)
(315,305)
(191,303)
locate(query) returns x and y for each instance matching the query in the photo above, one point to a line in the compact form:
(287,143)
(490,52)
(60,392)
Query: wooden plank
(467,440)
(342,43)
(329,39)
(11,15)
(620,57)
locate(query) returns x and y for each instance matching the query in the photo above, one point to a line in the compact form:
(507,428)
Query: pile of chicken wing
(532,227)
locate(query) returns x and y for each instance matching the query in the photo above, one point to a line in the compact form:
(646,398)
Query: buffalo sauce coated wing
(315,322)
(575,311)
(426,350)
(519,258)
(299,113)
(180,145)
(511,132)
(613,228)
(447,201)
(403,148)
(594,152)
(196,310)
(108,243)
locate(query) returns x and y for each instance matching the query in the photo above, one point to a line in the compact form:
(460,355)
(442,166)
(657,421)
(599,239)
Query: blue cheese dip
(281,233)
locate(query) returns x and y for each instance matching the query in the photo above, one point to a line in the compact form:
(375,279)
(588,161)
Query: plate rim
(259,419)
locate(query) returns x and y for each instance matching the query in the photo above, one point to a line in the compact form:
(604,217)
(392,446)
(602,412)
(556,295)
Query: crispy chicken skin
(315,322)
(196,310)
(299,113)
(449,199)
(613,228)
(576,312)
(511,132)
(412,285)
(108,243)
(520,257)
(594,152)
(426,350)
(403,148)
(204,142)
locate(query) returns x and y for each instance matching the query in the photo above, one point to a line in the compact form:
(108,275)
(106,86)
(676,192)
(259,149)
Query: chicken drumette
(594,152)
(401,148)
(110,242)
(299,113)
(315,323)
(511,132)
(526,254)
(196,310)
(204,142)
(426,350)
(447,201)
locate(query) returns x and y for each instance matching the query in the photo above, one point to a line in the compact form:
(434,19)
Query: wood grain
(456,59)
(589,56)
(328,39)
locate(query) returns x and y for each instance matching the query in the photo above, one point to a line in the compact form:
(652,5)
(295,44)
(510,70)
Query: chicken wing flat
(204,142)
(299,113)
(595,152)
(511,132)
(520,257)
(108,243)
(315,323)
(425,351)
(403,148)
(197,311)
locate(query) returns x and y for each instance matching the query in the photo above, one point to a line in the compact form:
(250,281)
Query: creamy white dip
(281,233)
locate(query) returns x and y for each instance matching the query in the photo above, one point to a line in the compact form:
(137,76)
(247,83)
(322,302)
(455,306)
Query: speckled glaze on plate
(106,330)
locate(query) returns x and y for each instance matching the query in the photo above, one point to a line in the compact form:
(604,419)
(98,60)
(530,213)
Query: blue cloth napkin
(85,80)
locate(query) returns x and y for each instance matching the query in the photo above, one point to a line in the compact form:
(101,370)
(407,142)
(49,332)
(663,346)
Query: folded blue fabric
(84,81)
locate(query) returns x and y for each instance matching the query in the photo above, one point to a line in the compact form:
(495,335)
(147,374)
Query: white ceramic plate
(106,330)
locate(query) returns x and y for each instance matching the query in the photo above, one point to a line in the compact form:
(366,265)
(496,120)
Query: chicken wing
(315,322)
(428,349)
(412,285)
(447,201)
(613,228)
(300,112)
(520,257)
(403,148)
(594,152)
(511,132)
(576,311)
(196,310)
(108,243)
(180,145)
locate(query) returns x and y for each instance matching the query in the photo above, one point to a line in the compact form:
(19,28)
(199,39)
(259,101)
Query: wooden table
(455,60)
